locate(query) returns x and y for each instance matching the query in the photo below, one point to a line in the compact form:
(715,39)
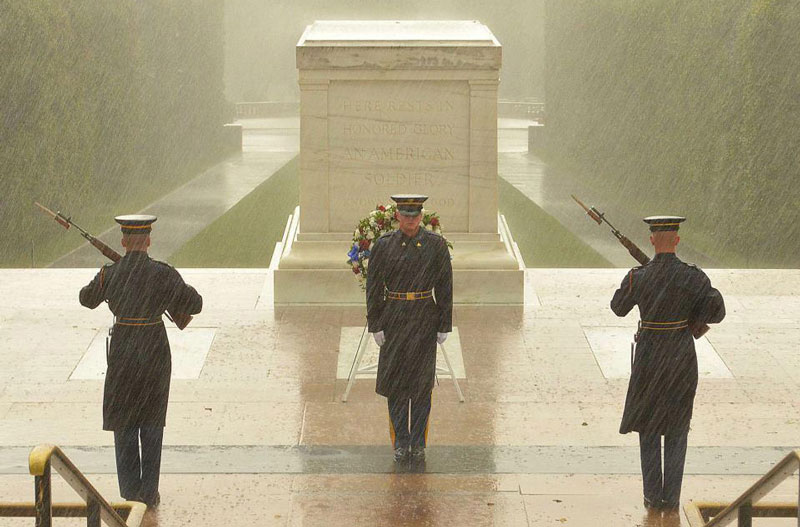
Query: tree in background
(687,107)
(105,106)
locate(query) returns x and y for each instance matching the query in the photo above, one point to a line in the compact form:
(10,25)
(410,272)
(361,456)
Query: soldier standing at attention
(673,297)
(409,310)
(138,291)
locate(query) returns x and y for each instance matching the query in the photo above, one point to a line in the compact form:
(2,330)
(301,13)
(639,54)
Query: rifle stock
(634,250)
(107,251)
(181,320)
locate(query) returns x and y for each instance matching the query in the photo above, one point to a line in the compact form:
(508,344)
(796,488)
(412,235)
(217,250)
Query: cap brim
(409,213)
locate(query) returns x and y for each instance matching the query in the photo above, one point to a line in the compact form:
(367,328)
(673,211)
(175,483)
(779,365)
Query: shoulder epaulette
(159,262)
(386,234)
(691,265)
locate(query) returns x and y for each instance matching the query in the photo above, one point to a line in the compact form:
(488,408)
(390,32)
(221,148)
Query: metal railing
(42,460)
(746,506)
(521,110)
(262,109)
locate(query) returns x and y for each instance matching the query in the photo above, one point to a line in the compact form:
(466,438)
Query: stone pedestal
(392,107)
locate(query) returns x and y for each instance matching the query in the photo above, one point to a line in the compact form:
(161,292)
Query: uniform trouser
(664,489)
(138,476)
(407,432)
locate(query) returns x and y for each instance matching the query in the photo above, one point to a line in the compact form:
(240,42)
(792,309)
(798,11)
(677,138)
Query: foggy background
(657,107)
(260,39)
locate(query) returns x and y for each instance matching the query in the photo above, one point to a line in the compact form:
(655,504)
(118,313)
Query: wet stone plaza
(257,434)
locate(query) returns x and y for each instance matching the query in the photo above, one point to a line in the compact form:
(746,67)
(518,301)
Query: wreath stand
(356,369)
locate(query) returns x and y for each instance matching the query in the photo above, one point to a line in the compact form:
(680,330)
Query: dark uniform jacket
(407,361)
(669,293)
(139,361)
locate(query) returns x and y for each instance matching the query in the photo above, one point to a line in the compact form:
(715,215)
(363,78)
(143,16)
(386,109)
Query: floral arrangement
(380,221)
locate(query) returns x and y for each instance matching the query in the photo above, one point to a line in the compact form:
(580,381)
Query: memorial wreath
(379,222)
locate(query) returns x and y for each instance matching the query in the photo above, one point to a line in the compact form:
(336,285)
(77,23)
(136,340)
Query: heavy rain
(443,262)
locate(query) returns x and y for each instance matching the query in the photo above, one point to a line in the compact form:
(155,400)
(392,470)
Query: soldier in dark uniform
(673,297)
(138,291)
(409,310)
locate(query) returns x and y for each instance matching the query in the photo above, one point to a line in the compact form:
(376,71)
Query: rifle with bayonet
(181,320)
(698,330)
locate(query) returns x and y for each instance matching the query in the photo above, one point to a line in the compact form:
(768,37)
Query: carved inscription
(389,137)
(396,105)
(398,153)
(422,129)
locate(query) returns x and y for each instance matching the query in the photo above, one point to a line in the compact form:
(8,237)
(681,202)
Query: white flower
(370,235)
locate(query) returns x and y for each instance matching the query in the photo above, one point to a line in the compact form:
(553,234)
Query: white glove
(379,338)
(441,337)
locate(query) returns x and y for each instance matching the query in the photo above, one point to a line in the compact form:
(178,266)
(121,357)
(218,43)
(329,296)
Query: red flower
(434,222)
(381,208)
(363,245)
(356,270)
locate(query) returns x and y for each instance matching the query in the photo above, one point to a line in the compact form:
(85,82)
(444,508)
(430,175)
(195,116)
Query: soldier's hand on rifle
(379,338)
(441,337)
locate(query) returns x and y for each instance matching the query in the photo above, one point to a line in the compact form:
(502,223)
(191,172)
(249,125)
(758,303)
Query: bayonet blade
(592,213)
(61,220)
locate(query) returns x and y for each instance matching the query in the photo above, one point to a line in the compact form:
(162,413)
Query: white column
(483,156)
(314,172)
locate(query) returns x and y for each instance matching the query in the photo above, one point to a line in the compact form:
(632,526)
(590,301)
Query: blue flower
(365,254)
(353,254)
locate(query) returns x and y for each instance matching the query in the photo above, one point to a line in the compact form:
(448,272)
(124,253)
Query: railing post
(92,513)
(745,515)
(44,498)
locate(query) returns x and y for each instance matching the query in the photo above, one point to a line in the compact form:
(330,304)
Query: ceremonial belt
(663,326)
(412,295)
(140,321)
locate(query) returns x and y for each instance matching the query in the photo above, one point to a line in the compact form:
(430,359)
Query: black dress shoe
(417,454)
(151,502)
(651,505)
(400,454)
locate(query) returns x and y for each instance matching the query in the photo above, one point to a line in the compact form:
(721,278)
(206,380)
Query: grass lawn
(542,240)
(245,236)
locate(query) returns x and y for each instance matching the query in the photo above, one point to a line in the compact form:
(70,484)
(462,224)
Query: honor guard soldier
(138,291)
(409,310)
(673,297)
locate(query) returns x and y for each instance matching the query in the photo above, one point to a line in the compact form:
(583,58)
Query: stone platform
(310,268)
(256,433)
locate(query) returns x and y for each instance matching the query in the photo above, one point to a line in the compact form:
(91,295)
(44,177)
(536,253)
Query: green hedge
(105,106)
(542,240)
(686,107)
(245,236)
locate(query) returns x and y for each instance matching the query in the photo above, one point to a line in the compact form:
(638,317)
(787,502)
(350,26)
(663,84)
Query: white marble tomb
(398,107)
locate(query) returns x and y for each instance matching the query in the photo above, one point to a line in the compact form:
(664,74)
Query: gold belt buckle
(409,296)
